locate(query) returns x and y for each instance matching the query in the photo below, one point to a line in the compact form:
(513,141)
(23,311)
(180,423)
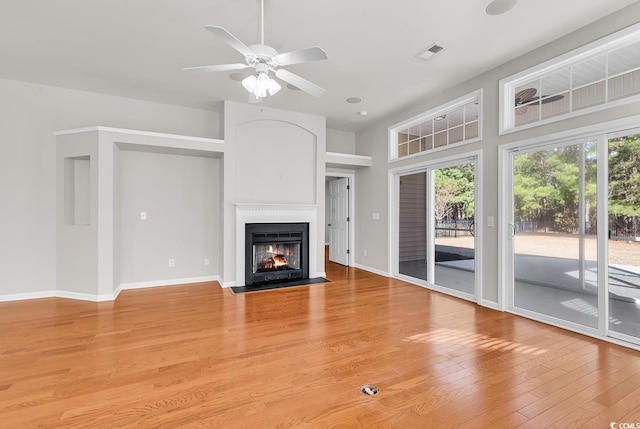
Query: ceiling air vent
(427,53)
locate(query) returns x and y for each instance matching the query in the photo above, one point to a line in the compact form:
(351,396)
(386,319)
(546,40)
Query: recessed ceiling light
(362,113)
(498,7)
(354,100)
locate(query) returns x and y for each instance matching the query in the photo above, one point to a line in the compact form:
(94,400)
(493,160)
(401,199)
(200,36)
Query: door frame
(602,131)
(351,208)
(393,210)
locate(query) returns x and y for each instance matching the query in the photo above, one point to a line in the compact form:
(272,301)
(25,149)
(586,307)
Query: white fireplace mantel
(275,213)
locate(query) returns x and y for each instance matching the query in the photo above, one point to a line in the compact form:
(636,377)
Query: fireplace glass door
(276,252)
(276,256)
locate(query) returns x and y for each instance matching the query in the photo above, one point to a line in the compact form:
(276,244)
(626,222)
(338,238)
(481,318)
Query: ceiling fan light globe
(273,87)
(262,85)
(250,83)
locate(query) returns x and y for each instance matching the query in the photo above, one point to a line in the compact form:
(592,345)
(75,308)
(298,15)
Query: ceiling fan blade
(525,96)
(221,67)
(551,99)
(301,56)
(299,82)
(230,40)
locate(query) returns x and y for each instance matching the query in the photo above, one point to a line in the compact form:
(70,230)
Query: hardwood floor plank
(202,356)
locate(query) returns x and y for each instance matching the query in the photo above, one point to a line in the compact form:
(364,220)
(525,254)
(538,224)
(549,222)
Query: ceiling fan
(526,96)
(265,59)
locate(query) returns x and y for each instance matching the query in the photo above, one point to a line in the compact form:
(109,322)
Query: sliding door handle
(512,230)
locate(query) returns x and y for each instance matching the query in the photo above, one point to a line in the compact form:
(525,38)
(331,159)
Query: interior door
(339,221)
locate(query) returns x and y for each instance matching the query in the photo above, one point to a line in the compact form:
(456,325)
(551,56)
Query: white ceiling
(137,48)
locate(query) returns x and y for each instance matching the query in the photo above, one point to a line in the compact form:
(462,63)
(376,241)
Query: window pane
(414,146)
(471,131)
(555,258)
(556,83)
(456,117)
(624,236)
(440,139)
(588,72)
(455,135)
(428,142)
(412,225)
(588,96)
(440,124)
(555,105)
(624,85)
(471,112)
(624,60)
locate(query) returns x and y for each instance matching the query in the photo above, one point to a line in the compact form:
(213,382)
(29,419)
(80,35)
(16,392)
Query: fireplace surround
(275,213)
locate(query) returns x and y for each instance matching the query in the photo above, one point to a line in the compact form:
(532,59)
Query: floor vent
(369,390)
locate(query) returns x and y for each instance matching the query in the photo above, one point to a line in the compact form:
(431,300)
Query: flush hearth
(276,252)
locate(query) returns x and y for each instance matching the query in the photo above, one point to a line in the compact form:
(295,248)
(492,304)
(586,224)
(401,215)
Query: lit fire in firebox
(277,260)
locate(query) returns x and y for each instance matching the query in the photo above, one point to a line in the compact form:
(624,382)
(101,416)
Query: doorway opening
(339,225)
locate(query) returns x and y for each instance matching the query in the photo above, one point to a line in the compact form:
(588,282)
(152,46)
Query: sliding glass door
(574,234)
(554,232)
(623,253)
(436,229)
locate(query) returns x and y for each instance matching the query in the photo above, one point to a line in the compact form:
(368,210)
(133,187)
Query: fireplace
(276,252)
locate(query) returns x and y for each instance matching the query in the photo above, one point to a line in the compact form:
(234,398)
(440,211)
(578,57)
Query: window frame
(442,110)
(601,47)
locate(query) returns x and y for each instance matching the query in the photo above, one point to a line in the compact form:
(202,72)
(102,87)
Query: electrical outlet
(143,215)
(365,252)
(172,263)
(206,261)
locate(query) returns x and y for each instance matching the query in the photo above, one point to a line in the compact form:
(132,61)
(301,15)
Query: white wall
(271,156)
(372,182)
(29,115)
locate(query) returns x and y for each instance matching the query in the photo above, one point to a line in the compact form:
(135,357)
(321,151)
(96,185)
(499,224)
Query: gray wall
(372,182)
(29,115)
(181,198)
(341,141)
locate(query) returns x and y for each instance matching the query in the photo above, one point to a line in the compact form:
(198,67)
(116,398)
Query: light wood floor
(200,356)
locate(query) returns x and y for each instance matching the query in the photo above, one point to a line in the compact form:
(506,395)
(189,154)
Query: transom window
(453,123)
(595,77)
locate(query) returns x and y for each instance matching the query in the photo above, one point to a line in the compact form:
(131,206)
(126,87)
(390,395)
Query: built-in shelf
(346,160)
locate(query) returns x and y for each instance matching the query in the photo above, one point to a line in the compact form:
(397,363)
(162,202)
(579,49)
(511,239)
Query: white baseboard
(105,297)
(171,282)
(28,295)
(372,270)
(227,284)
